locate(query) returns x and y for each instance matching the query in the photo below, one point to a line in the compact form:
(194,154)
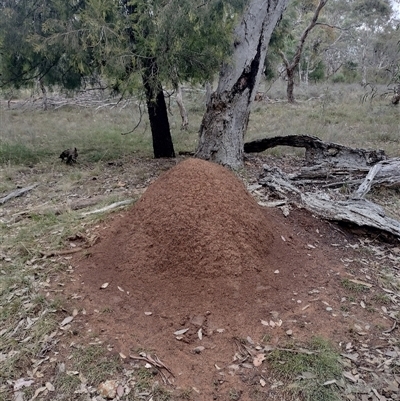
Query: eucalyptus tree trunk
(182,108)
(225,121)
(290,66)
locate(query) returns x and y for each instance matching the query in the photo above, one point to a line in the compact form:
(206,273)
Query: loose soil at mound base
(197,252)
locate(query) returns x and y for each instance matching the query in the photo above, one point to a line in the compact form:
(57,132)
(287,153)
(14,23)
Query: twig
(61,253)
(109,207)
(156,362)
(137,125)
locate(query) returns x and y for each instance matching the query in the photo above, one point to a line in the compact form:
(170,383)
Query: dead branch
(318,151)
(156,362)
(17,193)
(331,204)
(61,253)
(138,123)
(109,207)
(366,184)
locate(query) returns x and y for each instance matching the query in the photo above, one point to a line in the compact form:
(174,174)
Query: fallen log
(319,152)
(357,211)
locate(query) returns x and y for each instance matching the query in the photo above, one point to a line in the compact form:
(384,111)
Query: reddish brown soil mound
(197,220)
(198,252)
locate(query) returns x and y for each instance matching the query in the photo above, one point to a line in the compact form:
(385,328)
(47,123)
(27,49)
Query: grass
(335,113)
(94,363)
(30,143)
(353,287)
(306,372)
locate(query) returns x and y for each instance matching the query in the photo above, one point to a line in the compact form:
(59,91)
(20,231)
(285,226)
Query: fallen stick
(156,362)
(17,193)
(364,188)
(61,253)
(109,207)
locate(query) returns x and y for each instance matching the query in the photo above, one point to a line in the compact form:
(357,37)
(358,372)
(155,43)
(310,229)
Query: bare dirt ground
(198,274)
(197,253)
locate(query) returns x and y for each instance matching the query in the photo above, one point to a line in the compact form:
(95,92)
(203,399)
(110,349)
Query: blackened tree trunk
(157,110)
(225,121)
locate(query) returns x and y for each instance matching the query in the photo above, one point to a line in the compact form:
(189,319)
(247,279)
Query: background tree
(133,45)
(292,64)
(24,63)
(351,56)
(225,121)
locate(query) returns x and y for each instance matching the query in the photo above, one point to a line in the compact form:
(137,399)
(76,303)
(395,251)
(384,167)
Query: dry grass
(342,114)
(339,113)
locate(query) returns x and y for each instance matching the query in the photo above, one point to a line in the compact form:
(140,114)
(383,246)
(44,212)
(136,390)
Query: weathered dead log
(356,211)
(319,152)
(326,172)
(17,193)
(365,186)
(278,181)
(386,173)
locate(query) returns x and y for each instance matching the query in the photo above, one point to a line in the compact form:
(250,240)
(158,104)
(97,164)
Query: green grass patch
(382,298)
(19,153)
(95,363)
(307,369)
(353,287)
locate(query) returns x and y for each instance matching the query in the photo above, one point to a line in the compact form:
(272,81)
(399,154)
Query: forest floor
(194,292)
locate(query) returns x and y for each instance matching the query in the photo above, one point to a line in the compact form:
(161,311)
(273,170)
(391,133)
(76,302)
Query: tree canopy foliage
(63,41)
(353,41)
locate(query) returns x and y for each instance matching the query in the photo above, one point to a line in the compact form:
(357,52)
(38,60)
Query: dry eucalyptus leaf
(37,392)
(67,320)
(105,285)
(180,332)
(21,383)
(120,391)
(258,359)
(329,382)
(49,386)
(264,323)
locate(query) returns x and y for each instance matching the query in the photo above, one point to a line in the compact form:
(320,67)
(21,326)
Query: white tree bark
(225,121)
(182,109)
